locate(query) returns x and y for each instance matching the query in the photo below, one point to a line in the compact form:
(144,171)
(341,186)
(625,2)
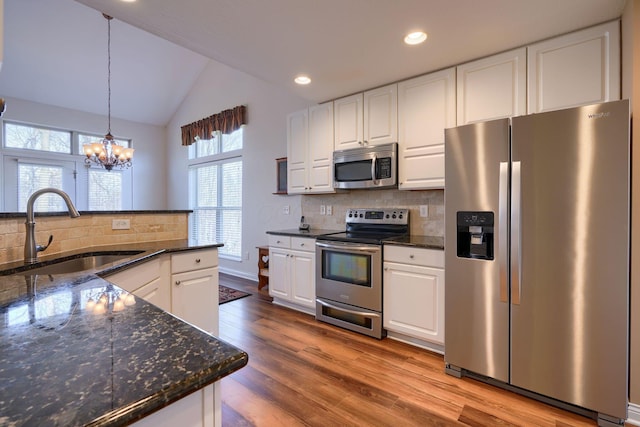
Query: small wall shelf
(281,174)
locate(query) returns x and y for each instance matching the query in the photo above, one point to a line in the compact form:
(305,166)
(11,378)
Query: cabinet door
(414,301)
(302,276)
(320,150)
(493,87)
(347,113)
(195,298)
(157,292)
(426,107)
(279,273)
(575,69)
(381,115)
(297,144)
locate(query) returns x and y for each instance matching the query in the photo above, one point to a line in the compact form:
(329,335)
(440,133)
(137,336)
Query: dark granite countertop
(61,364)
(312,232)
(428,242)
(5,215)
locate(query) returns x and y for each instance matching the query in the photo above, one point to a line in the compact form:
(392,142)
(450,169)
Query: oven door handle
(349,246)
(346,310)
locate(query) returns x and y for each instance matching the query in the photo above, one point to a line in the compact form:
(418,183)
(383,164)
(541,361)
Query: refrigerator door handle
(503,193)
(516,233)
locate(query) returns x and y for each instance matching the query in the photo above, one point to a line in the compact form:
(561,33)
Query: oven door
(349,273)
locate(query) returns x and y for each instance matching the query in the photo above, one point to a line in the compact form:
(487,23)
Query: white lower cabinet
(149,281)
(292,272)
(413,301)
(186,285)
(194,279)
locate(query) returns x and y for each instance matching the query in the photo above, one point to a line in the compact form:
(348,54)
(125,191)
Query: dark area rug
(226,294)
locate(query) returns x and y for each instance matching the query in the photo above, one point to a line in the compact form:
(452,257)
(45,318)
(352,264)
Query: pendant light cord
(109,18)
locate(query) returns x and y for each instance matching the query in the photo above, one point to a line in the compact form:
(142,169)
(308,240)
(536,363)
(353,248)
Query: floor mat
(226,294)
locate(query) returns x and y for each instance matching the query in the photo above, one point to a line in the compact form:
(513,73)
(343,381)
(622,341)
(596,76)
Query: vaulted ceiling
(55,50)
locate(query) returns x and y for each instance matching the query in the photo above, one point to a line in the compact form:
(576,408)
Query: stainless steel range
(349,269)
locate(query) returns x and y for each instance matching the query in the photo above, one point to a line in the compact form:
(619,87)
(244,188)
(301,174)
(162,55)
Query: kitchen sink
(90,261)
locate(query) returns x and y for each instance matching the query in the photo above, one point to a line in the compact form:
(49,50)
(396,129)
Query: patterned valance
(227,121)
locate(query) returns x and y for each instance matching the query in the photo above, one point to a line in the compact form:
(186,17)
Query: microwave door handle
(374,160)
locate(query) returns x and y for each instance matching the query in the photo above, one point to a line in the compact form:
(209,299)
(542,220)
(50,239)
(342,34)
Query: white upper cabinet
(320,178)
(579,68)
(493,87)
(297,145)
(310,150)
(426,107)
(369,118)
(347,122)
(381,115)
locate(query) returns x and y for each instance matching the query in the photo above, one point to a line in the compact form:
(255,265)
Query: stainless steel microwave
(369,167)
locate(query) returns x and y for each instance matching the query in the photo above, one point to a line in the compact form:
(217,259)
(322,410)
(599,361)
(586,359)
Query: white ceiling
(55,50)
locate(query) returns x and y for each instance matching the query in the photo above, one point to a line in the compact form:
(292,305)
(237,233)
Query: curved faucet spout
(30,248)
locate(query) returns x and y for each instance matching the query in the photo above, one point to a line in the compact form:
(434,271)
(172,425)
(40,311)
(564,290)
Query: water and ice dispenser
(475,234)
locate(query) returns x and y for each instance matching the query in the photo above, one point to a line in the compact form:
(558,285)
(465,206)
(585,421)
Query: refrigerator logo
(599,115)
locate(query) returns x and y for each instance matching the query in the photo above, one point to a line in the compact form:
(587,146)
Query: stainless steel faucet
(30,248)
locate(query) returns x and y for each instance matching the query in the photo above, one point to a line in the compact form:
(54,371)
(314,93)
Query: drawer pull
(198,260)
(411,256)
(178,282)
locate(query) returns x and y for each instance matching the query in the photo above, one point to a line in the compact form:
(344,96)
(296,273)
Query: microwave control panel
(383,168)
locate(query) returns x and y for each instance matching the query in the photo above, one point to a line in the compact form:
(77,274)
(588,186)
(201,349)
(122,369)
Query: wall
(631,90)
(432,225)
(218,88)
(149,142)
(88,231)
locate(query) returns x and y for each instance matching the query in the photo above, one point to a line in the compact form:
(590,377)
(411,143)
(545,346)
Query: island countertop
(62,365)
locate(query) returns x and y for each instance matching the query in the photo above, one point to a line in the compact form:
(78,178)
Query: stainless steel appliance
(370,167)
(349,269)
(537,256)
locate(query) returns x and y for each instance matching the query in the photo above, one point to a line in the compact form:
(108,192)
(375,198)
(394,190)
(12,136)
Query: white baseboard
(248,276)
(436,348)
(633,414)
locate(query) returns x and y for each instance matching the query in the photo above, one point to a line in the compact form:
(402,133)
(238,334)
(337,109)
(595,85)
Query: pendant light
(107,153)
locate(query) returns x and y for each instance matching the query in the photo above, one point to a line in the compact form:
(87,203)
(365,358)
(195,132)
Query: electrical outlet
(285,210)
(424,211)
(322,210)
(246,256)
(329,210)
(120,224)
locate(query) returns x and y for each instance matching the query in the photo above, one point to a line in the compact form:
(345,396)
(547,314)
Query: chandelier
(109,300)
(107,153)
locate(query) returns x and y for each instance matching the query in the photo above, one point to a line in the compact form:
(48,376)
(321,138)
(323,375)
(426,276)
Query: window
(36,157)
(215,193)
(37,138)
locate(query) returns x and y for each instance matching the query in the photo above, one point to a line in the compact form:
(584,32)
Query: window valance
(227,121)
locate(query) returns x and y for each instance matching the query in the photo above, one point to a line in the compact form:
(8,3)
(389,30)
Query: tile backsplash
(431,225)
(89,230)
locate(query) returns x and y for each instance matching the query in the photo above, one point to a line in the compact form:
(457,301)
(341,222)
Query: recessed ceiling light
(302,80)
(415,37)
(128,1)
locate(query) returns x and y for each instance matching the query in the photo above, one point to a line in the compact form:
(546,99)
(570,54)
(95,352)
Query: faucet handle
(40,248)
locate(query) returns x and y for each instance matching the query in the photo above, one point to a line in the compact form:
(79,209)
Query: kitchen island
(63,364)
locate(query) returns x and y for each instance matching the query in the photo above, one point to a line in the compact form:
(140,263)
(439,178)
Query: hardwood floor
(307,373)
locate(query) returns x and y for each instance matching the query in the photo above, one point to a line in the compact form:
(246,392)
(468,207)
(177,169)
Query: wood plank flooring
(307,373)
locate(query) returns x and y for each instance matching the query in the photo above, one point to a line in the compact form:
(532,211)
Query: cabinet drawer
(414,255)
(303,244)
(193,260)
(280,241)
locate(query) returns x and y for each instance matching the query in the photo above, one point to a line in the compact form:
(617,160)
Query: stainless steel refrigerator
(537,255)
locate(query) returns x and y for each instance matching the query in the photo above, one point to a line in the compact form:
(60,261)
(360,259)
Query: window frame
(217,159)
(79,190)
